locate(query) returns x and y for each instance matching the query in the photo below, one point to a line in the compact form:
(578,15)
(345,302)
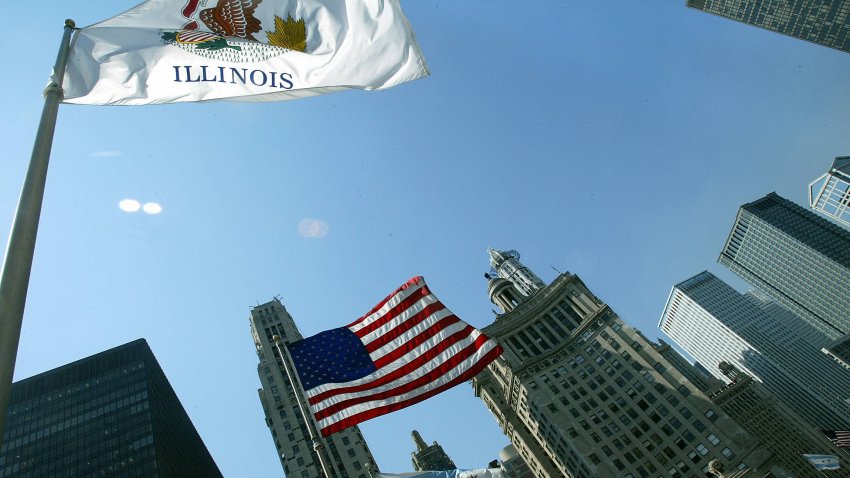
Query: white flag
(823,462)
(169,51)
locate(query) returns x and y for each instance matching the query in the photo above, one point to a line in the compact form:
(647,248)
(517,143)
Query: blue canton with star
(332,356)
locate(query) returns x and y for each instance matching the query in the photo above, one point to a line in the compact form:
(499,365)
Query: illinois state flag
(408,348)
(169,51)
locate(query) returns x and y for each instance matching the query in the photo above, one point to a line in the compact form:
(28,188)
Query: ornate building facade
(347,451)
(582,394)
(779,428)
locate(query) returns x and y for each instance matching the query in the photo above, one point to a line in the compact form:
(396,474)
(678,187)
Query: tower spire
(506,264)
(417,439)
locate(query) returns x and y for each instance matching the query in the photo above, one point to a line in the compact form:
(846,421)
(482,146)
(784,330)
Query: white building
(714,323)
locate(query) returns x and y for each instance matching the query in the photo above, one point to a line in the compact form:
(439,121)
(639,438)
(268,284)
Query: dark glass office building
(795,257)
(113,414)
(826,22)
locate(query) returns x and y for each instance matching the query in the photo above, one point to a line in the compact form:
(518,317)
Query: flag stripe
(432,376)
(448,377)
(424,348)
(389,302)
(376,412)
(399,373)
(412,333)
(375,321)
(396,330)
(421,338)
(407,348)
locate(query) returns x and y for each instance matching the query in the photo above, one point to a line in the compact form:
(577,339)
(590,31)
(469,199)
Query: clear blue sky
(609,139)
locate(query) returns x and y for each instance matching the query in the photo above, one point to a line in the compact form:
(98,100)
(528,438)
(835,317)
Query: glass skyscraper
(715,323)
(830,193)
(113,414)
(795,257)
(826,22)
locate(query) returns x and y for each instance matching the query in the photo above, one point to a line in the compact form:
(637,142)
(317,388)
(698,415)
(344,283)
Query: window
(713,439)
(728,453)
(702,449)
(699,425)
(711,415)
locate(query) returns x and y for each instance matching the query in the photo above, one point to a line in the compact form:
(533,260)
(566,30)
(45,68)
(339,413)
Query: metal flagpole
(299,396)
(17,264)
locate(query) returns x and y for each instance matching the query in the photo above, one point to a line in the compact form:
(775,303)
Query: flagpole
(17,263)
(299,397)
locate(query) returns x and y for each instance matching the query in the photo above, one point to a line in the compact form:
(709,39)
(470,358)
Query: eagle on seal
(233,18)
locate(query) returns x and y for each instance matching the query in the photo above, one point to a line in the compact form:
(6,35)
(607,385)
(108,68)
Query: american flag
(408,348)
(841,438)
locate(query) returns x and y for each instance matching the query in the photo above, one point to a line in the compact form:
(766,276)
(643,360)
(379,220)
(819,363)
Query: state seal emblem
(233,25)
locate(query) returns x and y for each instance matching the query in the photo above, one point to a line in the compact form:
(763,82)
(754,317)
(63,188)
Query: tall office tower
(429,457)
(830,193)
(825,22)
(714,323)
(347,451)
(581,394)
(111,414)
(795,257)
(777,426)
